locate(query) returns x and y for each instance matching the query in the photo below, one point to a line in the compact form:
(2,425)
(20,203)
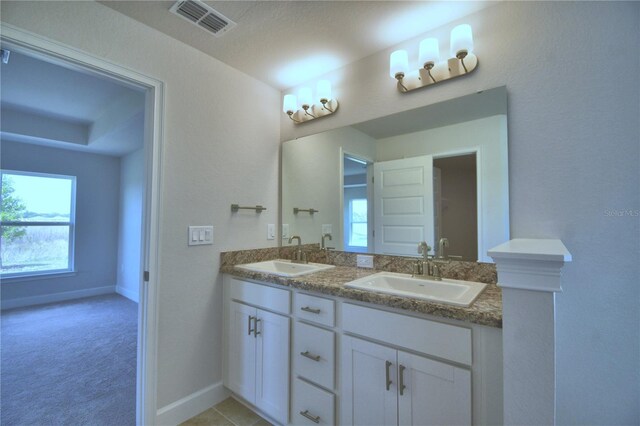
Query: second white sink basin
(452,292)
(284,268)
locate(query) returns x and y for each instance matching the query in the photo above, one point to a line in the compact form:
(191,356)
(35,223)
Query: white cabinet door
(433,393)
(272,366)
(369,372)
(241,350)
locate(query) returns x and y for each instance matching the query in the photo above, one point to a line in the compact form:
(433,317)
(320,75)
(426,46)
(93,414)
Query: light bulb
(461,41)
(323,90)
(289,104)
(305,98)
(429,52)
(398,63)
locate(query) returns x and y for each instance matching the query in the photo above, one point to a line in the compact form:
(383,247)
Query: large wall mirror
(385,185)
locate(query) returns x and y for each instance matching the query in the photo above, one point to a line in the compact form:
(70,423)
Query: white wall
(311,179)
(130,225)
(574,103)
(96,239)
(215,154)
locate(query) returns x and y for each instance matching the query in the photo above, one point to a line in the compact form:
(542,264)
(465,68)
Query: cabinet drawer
(318,362)
(312,405)
(273,299)
(315,309)
(429,337)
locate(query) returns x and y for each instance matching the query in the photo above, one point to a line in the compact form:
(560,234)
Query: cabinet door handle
(387,367)
(305,413)
(249,329)
(309,309)
(255,327)
(306,354)
(401,379)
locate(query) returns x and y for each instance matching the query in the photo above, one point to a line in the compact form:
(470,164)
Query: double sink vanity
(404,340)
(327,342)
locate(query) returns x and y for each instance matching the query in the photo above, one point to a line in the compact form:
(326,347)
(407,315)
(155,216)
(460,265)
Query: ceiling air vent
(204,16)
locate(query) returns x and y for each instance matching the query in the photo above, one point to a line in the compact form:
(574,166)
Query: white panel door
(367,397)
(433,393)
(272,367)
(403,204)
(241,351)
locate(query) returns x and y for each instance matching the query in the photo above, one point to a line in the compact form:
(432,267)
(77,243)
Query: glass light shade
(429,51)
(305,97)
(461,39)
(398,63)
(323,90)
(289,103)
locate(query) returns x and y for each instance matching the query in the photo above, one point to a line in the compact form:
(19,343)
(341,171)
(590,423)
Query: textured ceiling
(284,43)
(46,103)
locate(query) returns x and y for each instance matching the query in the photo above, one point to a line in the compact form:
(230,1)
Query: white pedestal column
(529,274)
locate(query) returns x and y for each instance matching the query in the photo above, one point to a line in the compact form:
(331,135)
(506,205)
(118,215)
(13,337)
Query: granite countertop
(486,310)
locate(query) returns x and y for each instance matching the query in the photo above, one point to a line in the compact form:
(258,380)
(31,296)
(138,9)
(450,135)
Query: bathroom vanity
(308,350)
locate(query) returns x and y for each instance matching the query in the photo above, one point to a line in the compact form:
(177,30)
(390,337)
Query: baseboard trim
(191,405)
(21,302)
(129,294)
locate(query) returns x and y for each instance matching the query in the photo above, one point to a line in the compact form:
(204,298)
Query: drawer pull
(249,329)
(255,330)
(305,413)
(387,373)
(306,354)
(401,379)
(309,309)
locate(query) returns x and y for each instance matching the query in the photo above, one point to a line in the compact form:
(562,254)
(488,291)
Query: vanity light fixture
(303,108)
(461,62)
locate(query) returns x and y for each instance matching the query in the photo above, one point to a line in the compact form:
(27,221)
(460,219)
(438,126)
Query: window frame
(71,224)
(351,222)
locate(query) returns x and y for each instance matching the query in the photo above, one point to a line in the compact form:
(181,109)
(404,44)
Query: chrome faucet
(322,245)
(444,243)
(423,268)
(298,256)
(440,259)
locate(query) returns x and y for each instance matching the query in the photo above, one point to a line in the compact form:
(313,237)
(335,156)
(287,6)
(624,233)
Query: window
(358,222)
(38,223)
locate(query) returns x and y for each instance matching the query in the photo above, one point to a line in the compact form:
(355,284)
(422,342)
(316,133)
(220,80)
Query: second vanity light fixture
(303,108)
(462,61)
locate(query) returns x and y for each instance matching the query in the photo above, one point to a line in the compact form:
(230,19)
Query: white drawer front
(315,309)
(312,405)
(273,299)
(314,354)
(442,340)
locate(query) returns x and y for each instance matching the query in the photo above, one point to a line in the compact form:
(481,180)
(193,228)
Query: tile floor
(227,413)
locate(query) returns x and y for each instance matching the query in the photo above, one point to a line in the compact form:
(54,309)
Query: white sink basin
(452,292)
(284,268)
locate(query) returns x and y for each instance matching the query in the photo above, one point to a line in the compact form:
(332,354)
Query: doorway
(36,47)
(356,194)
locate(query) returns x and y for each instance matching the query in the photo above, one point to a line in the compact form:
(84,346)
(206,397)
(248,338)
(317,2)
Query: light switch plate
(200,235)
(327,228)
(271,231)
(285,230)
(364,261)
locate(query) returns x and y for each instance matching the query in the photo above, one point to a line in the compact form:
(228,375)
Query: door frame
(146,372)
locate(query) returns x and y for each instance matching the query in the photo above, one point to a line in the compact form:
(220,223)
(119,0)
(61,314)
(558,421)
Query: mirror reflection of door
(357,202)
(403,205)
(455,204)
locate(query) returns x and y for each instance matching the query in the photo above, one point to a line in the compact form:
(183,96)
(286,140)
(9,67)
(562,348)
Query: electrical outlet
(285,230)
(327,228)
(364,261)
(271,231)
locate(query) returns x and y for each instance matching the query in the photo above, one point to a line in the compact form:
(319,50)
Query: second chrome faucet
(298,256)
